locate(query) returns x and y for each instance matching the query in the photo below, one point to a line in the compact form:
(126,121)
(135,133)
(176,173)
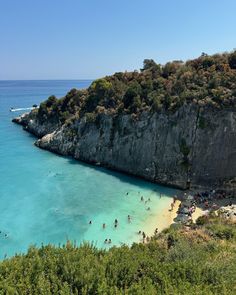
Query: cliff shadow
(129,179)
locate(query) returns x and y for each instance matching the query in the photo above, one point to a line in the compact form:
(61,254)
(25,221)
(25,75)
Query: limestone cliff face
(34,125)
(195,144)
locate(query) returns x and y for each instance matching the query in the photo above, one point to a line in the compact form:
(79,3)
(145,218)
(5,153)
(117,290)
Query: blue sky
(83,39)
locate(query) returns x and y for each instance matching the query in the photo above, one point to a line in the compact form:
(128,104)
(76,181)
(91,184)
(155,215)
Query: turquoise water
(45,198)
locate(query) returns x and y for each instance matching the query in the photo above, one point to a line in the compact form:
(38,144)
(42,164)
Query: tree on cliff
(206,80)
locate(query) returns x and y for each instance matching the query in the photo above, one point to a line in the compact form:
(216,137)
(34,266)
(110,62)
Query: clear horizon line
(48,79)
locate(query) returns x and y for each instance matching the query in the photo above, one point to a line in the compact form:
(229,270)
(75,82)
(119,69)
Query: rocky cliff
(193,146)
(173,124)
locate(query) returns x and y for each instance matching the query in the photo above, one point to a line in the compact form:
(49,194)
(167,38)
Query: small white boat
(22,109)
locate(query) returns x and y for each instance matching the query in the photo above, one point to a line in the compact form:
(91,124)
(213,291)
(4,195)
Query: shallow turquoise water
(45,198)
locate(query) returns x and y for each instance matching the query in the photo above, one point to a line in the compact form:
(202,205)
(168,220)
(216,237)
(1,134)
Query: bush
(202,220)
(232,60)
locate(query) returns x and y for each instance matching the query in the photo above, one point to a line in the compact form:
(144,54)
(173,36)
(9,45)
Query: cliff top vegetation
(206,80)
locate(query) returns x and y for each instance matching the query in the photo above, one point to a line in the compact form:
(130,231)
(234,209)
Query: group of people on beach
(116,223)
(146,238)
(207,197)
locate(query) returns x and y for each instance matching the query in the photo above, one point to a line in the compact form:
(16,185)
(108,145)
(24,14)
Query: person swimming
(104,225)
(109,241)
(105,242)
(90,222)
(129,218)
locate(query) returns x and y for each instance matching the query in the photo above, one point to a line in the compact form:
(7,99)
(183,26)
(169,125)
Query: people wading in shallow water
(116,223)
(104,225)
(107,241)
(129,218)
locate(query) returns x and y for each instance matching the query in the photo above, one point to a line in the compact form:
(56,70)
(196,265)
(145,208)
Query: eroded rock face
(194,144)
(32,124)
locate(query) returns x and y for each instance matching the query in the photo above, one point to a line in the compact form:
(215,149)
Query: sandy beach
(162,221)
(198,212)
(167,218)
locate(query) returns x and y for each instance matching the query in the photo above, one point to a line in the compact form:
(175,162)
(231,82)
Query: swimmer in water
(109,241)
(90,222)
(129,218)
(104,225)
(105,241)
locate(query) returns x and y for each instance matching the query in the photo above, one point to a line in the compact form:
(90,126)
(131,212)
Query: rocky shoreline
(169,149)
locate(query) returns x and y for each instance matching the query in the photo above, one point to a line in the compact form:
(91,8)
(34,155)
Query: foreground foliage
(200,260)
(205,81)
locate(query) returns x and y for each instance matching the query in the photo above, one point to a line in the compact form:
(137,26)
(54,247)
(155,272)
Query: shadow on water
(126,178)
(122,176)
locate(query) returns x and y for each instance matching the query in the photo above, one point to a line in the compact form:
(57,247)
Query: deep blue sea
(45,198)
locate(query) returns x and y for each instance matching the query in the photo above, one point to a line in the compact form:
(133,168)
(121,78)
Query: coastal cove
(46,198)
